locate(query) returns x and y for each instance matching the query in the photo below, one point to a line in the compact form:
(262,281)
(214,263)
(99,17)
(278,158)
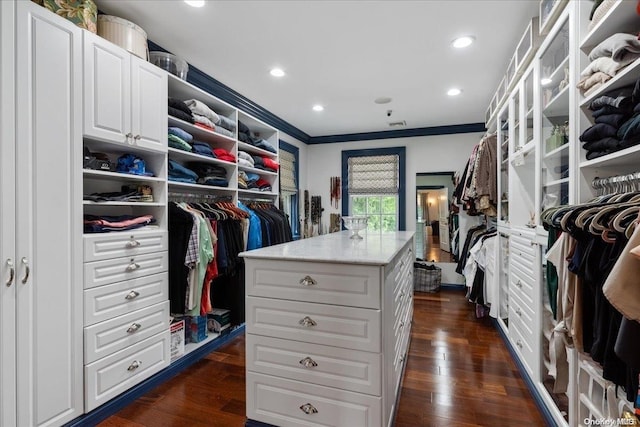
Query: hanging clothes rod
(616,184)
(196,197)
(255,199)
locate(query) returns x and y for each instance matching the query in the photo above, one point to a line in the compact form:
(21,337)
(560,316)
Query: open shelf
(91,203)
(558,105)
(256,193)
(256,170)
(176,154)
(628,156)
(556,183)
(117,176)
(622,17)
(558,74)
(626,76)
(185,185)
(243,146)
(201,134)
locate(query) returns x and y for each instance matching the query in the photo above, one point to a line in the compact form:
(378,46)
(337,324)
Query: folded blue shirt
(176,170)
(202,148)
(182,134)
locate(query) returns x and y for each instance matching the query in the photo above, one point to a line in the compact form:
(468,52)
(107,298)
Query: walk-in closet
(352,213)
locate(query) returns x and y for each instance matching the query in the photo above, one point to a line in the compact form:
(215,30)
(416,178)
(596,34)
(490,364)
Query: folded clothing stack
(210,174)
(242,180)
(265,163)
(202,148)
(179,139)
(132,164)
(245,135)
(105,224)
(252,178)
(179,173)
(222,154)
(617,122)
(141,193)
(245,159)
(263,185)
(607,59)
(179,110)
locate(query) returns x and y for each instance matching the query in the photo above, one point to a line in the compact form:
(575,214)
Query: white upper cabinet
(125,97)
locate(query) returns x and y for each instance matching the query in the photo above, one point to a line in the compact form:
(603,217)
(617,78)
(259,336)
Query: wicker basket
(426,277)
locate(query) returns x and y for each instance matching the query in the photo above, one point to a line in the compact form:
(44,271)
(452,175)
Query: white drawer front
(109,336)
(282,402)
(98,247)
(522,315)
(106,302)
(345,369)
(522,345)
(523,286)
(117,373)
(355,328)
(352,285)
(100,273)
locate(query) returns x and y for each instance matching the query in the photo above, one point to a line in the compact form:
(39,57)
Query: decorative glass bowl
(355,224)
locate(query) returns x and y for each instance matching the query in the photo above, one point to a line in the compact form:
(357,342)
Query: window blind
(374,174)
(288,183)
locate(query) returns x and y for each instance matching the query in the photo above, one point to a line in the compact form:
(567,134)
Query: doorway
(433,219)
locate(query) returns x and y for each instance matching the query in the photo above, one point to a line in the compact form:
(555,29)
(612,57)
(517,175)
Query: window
(288,158)
(373,185)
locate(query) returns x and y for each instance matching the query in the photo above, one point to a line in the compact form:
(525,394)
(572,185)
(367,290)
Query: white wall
(439,153)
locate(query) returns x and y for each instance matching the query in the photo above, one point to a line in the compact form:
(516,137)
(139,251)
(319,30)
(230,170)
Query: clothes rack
(198,197)
(616,184)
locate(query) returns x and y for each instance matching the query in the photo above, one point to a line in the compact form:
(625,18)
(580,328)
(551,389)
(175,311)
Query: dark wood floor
(459,373)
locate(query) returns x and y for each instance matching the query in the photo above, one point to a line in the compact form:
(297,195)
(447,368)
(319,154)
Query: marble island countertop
(374,248)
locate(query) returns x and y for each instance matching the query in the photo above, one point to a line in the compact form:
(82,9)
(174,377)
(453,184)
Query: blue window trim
(401,152)
(295,214)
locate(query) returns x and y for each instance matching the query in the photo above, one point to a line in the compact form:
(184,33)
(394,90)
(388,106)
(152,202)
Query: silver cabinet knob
(518,312)
(307,322)
(519,343)
(132,295)
(307,281)
(133,243)
(128,136)
(308,362)
(137,138)
(12,272)
(401,324)
(134,365)
(25,262)
(519,284)
(134,327)
(308,409)
(133,266)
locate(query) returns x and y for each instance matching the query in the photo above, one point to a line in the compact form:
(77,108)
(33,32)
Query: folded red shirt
(223,154)
(270,163)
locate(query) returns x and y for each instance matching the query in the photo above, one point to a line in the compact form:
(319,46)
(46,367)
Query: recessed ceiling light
(454,92)
(545,81)
(195,3)
(277,72)
(382,100)
(318,107)
(463,41)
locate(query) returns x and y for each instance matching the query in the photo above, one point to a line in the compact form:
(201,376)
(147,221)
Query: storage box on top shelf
(177,329)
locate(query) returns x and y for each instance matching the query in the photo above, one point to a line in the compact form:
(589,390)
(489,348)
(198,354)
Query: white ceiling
(344,54)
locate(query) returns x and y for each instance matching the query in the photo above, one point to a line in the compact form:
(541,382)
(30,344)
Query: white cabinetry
(328,329)
(125,96)
(40,218)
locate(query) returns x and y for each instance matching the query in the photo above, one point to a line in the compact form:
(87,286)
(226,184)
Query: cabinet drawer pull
(519,344)
(308,362)
(134,365)
(133,243)
(132,295)
(308,281)
(134,328)
(401,324)
(133,266)
(128,136)
(12,272)
(519,284)
(307,322)
(308,409)
(137,138)
(518,312)
(25,262)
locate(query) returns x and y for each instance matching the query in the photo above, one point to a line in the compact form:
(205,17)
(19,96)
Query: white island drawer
(350,285)
(106,302)
(355,328)
(358,371)
(100,273)
(102,246)
(112,375)
(288,403)
(107,337)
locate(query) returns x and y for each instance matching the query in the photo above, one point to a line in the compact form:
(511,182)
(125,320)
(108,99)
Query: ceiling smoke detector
(397,124)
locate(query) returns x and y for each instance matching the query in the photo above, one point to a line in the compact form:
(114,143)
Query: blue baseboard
(116,404)
(453,287)
(546,414)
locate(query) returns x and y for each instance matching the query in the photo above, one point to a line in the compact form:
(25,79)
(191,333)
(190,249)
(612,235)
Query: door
(443,219)
(107,90)
(148,105)
(48,218)
(7,217)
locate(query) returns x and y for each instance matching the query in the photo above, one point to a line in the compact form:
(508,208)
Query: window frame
(401,153)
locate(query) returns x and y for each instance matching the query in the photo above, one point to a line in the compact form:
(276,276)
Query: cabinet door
(107,90)
(49,217)
(148,105)
(7,216)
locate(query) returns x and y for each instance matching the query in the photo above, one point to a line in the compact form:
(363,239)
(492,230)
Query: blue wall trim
(126,398)
(540,403)
(401,152)
(401,133)
(207,83)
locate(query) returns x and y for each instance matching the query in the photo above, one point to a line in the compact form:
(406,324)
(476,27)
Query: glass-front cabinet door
(555,99)
(503,164)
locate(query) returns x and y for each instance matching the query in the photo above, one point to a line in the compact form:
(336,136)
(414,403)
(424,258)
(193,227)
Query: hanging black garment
(180,225)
